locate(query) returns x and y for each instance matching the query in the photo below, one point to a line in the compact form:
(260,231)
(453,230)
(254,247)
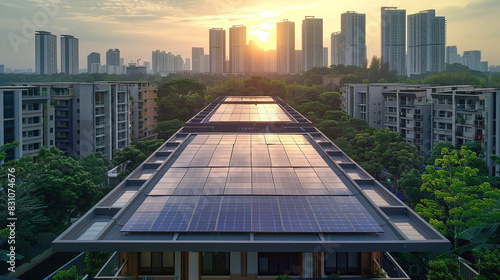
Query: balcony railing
(112,269)
(392,268)
(78,261)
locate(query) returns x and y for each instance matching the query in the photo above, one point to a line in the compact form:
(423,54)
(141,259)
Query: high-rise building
(426,42)
(484,66)
(113,57)
(353,38)
(299,62)
(312,42)
(285,46)
(147,64)
(217,50)
(393,38)
(205,63)
(472,59)
(452,55)
(237,46)
(195,56)
(45,53)
(69,55)
(325,56)
(164,62)
(93,57)
(2,69)
(337,57)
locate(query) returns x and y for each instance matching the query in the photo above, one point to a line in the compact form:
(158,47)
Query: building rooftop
(211,187)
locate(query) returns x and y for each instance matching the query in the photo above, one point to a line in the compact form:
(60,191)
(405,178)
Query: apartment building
(25,116)
(144,112)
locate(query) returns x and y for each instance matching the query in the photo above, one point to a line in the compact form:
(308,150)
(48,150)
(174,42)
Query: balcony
(112,270)
(466,107)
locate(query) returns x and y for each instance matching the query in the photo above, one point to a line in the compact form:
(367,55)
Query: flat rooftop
(250,191)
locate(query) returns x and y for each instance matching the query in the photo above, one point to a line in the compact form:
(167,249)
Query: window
(8,105)
(156,263)
(345,263)
(121,97)
(279,263)
(214,263)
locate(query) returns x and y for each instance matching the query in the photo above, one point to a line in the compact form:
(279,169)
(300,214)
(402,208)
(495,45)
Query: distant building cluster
(471,59)
(426,116)
(77,118)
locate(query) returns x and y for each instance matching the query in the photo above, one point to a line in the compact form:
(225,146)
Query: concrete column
(235,263)
(177,262)
(252,264)
(194,268)
(307,265)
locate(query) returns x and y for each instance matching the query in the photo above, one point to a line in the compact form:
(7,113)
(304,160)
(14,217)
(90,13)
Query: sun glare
(261,33)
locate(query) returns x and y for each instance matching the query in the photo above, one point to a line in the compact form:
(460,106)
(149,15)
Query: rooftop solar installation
(250,183)
(249,113)
(233,213)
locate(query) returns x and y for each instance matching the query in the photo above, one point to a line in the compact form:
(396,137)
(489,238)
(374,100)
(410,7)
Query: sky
(137,27)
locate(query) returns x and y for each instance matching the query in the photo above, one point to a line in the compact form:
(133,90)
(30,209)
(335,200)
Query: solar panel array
(249,113)
(250,183)
(249,99)
(251,214)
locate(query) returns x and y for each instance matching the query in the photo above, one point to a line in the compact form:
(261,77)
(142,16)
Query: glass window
(279,263)
(345,263)
(8,105)
(156,263)
(215,263)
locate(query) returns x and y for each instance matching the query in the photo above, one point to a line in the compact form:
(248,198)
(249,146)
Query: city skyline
(134,26)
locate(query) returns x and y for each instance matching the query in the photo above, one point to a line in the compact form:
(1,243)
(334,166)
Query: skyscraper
(452,55)
(393,38)
(353,38)
(217,51)
(312,42)
(113,57)
(336,56)
(325,56)
(45,53)
(69,55)
(426,42)
(237,46)
(285,46)
(93,58)
(472,59)
(195,55)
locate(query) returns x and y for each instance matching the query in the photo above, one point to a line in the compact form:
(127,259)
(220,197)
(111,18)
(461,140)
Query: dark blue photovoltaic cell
(235,214)
(252,214)
(206,214)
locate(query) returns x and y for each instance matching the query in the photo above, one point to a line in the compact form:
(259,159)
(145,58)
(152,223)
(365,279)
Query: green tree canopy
(459,199)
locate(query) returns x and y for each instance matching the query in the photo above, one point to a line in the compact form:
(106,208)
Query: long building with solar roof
(249,189)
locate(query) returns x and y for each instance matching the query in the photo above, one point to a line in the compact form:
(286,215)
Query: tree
(133,155)
(336,115)
(166,129)
(94,261)
(436,152)
(444,269)
(410,184)
(488,264)
(180,99)
(459,199)
(69,274)
(6,147)
(180,90)
(316,107)
(98,166)
(66,188)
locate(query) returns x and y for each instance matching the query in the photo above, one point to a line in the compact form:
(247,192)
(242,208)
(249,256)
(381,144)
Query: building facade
(393,38)
(312,42)
(336,55)
(472,59)
(27,117)
(93,58)
(426,42)
(353,38)
(452,55)
(196,53)
(217,51)
(113,57)
(237,47)
(285,46)
(69,55)
(45,53)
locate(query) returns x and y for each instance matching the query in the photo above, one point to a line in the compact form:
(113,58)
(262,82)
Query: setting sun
(261,34)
